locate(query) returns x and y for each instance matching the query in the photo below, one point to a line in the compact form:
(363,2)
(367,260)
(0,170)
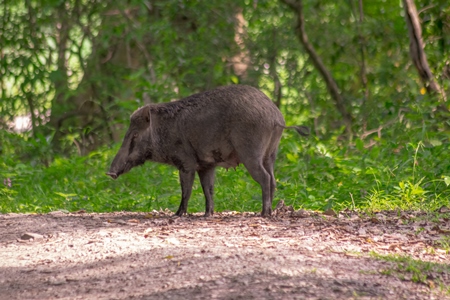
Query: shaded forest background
(370,78)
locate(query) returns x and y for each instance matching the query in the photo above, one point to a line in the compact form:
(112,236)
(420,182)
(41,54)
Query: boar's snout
(113,175)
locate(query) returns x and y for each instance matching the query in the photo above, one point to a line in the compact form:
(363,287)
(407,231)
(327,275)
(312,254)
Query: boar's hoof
(113,175)
(179,213)
(266,214)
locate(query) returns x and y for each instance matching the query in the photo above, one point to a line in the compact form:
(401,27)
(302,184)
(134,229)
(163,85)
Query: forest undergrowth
(407,170)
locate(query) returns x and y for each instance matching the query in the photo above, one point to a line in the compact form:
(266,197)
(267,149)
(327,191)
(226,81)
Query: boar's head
(136,145)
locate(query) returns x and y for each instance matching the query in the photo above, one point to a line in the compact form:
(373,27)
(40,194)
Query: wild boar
(222,127)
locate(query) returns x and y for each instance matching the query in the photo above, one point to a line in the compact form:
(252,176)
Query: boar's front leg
(186,181)
(207,181)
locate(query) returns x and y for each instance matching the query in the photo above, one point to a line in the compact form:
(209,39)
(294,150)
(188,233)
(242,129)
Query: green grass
(311,174)
(387,176)
(427,273)
(444,243)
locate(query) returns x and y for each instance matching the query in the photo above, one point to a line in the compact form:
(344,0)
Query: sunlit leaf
(446,180)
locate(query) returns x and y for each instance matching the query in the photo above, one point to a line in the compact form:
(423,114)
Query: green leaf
(435,142)
(359,145)
(65,195)
(446,180)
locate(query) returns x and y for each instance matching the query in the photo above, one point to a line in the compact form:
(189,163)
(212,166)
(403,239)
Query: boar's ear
(146,113)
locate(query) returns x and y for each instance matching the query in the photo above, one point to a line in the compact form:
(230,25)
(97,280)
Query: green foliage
(312,174)
(80,91)
(398,169)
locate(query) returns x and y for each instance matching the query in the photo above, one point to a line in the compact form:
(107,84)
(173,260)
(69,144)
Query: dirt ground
(294,255)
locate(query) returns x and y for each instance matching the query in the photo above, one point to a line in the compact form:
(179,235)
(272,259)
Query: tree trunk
(241,61)
(358,11)
(416,49)
(59,104)
(85,107)
(297,7)
(277,93)
(362,49)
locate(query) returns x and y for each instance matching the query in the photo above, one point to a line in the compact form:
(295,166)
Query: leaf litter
(293,255)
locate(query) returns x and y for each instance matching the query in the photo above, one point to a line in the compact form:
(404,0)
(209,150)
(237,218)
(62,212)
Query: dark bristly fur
(222,127)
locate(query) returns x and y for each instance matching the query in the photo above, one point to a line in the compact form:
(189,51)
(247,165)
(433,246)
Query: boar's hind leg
(269,164)
(207,181)
(256,169)
(186,181)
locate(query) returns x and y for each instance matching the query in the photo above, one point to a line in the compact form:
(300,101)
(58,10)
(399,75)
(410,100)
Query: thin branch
(378,130)
(426,8)
(416,49)
(332,86)
(273,70)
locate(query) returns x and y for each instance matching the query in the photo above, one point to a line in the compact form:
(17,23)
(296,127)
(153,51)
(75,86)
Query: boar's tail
(302,130)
